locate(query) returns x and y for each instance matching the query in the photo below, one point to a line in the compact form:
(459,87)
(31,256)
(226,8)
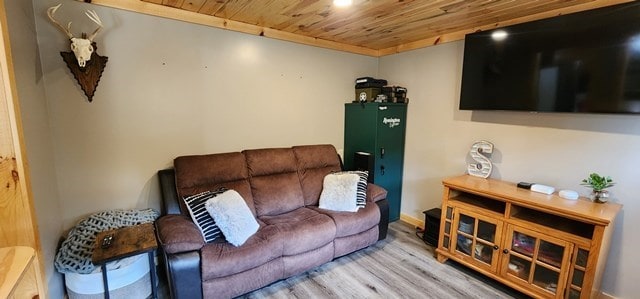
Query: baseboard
(603,295)
(411,221)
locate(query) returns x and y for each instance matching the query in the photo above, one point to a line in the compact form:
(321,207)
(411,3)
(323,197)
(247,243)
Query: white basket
(127,281)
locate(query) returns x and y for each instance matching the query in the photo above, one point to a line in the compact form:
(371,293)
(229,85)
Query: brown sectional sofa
(281,186)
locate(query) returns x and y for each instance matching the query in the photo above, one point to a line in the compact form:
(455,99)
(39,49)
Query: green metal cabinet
(378,129)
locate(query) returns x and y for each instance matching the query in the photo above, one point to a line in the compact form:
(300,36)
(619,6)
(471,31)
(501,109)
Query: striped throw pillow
(361,196)
(361,199)
(202,218)
(339,192)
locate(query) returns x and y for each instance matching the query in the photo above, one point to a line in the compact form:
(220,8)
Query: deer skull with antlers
(82,48)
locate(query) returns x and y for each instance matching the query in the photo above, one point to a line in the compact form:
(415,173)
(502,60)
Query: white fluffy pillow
(233,216)
(339,192)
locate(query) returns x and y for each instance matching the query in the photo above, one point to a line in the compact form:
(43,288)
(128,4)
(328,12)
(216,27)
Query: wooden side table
(126,242)
(18,273)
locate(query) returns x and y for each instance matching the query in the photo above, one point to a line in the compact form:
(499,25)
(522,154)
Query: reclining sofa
(281,187)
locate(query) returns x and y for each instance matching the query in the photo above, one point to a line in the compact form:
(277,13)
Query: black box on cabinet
(432,226)
(364,161)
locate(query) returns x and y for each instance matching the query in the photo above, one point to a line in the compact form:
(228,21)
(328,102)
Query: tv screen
(582,62)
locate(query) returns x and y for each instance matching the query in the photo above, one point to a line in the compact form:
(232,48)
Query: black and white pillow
(202,218)
(339,192)
(233,217)
(361,197)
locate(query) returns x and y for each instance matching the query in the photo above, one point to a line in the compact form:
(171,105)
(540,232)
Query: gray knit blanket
(74,255)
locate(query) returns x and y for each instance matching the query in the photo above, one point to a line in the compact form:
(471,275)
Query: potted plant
(598,184)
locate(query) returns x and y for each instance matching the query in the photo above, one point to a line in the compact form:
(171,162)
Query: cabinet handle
(495,247)
(382,152)
(382,169)
(505,251)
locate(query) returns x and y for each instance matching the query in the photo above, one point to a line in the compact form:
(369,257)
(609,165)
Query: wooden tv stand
(542,245)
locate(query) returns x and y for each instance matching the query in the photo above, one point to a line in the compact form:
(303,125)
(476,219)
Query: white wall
(553,149)
(171,88)
(37,134)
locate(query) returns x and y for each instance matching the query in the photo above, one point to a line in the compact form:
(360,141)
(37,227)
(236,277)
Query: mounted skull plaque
(83,61)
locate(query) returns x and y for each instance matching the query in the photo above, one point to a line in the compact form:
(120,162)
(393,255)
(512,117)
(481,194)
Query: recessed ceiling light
(499,35)
(342,3)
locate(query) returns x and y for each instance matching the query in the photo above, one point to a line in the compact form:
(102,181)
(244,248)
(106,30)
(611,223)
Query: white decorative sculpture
(84,62)
(81,47)
(482,168)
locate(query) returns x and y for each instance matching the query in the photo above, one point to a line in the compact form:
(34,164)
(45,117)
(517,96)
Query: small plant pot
(600,196)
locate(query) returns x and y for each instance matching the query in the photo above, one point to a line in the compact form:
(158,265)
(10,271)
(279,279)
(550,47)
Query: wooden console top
(582,209)
(128,241)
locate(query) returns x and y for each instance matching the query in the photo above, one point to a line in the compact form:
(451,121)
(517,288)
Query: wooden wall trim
(217,22)
(13,144)
(18,223)
(459,35)
(411,221)
(213,21)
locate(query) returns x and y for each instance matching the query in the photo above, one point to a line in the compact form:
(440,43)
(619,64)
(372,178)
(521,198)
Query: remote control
(569,194)
(542,188)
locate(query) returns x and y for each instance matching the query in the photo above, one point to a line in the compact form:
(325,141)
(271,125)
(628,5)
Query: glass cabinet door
(534,259)
(446,230)
(475,239)
(576,276)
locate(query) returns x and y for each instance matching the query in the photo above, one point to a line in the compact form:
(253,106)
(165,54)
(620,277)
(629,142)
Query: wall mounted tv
(583,62)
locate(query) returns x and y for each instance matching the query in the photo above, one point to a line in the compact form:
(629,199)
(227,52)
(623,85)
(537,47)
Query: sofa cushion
(314,163)
(232,216)
(339,192)
(199,173)
(203,220)
(303,229)
(224,259)
(348,223)
(349,244)
(296,264)
(274,181)
(235,285)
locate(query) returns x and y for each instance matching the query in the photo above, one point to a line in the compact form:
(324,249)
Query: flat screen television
(582,62)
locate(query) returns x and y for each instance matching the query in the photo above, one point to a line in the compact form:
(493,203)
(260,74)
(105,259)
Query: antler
(91,14)
(50,12)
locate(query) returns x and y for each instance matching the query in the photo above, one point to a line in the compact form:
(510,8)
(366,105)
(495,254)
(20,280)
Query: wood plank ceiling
(370,27)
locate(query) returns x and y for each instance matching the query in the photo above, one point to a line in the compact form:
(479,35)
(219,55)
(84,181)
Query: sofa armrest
(177,233)
(375,193)
(383,226)
(183,275)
